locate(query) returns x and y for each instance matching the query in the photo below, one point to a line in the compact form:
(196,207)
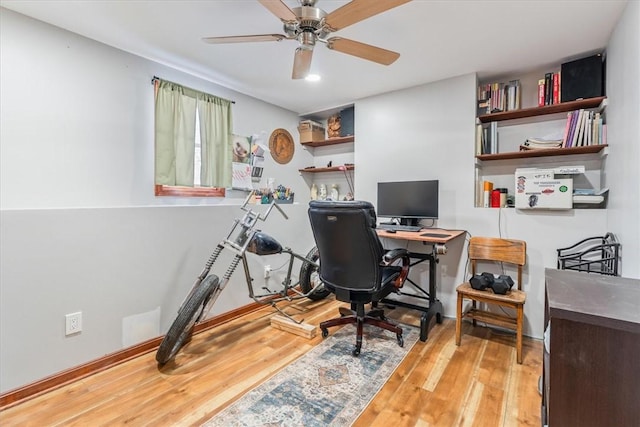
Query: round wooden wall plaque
(281,146)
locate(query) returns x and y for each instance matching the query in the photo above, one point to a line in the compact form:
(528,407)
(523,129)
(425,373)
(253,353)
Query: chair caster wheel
(325,333)
(355,352)
(400,340)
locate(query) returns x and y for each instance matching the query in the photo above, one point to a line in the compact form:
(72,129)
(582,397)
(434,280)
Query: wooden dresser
(591,363)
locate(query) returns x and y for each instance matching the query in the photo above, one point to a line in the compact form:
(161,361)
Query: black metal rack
(592,255)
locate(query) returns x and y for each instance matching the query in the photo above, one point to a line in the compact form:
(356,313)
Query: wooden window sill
(178,191)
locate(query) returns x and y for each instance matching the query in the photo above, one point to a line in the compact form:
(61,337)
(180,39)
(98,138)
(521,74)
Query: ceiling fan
(308,24)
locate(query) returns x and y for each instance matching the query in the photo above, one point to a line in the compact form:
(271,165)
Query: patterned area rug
(325,387)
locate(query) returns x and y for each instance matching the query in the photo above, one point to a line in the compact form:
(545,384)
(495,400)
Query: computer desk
(434,309)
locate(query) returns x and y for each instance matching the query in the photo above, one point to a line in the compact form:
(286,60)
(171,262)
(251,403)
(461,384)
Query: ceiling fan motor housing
(309,27)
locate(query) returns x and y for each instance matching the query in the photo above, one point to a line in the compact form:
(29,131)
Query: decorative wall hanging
(241,148)
(281,146)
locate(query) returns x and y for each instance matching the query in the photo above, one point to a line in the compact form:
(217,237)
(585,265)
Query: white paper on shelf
(593,199)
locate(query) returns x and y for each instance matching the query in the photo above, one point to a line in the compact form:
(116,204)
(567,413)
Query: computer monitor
(408,201)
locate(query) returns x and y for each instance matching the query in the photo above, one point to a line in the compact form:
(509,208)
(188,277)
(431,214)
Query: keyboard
(398,227)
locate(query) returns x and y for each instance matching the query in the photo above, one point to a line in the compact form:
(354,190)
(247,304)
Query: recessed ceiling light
(312,77)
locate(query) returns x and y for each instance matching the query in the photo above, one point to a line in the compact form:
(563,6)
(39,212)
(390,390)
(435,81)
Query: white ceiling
(435,39)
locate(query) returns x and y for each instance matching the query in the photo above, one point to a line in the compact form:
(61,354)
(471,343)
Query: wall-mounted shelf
(549,152)
(330,141)
(331,169)
(541,111)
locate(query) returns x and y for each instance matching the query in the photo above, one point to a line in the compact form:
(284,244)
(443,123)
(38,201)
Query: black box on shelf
(582,78)
(346,122)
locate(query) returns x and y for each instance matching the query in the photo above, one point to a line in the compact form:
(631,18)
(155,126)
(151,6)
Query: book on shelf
(573,119)
(479,133)
(556,88)
(541,93)
(548,88)
(498,97)
(489,138)
(494,137)
(583,128)
(576,129)
(583,121)
(567,128)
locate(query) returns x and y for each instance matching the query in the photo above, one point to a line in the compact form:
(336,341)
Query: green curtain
(175,128)
(216,127)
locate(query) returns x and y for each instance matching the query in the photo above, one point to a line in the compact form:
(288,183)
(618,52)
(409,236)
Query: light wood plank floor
(438,384)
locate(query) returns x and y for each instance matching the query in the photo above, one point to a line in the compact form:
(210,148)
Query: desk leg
(435,310)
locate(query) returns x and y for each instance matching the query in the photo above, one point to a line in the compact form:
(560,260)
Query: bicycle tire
(307,272)
(182,327)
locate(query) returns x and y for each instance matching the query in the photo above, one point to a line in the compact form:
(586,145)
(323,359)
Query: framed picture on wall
(241,149)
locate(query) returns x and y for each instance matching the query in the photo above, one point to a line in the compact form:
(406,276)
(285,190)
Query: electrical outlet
(73,323)
(267,271)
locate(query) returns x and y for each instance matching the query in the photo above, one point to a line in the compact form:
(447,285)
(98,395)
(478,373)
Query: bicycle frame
(242,239)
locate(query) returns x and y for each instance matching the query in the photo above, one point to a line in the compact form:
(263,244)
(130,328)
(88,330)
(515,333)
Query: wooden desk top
(425,235)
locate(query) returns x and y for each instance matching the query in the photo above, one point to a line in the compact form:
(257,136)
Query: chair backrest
(349,248)
(498,250)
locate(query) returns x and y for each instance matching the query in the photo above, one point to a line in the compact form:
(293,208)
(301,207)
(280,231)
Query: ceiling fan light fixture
(307,40)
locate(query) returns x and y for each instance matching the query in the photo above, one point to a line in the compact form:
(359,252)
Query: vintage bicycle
(242,238)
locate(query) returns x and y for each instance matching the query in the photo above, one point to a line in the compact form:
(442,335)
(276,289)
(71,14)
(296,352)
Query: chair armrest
(391,257)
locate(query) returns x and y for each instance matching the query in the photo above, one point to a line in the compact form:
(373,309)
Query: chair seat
(514,297)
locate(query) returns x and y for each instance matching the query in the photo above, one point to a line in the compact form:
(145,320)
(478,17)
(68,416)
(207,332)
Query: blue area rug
(325,387)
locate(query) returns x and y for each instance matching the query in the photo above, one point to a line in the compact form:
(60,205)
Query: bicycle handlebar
(263,216)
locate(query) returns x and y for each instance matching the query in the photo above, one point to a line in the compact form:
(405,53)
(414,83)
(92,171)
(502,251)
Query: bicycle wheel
(309,277)
(182,328)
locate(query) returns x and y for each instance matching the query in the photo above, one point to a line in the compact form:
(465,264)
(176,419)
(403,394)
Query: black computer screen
(410,201)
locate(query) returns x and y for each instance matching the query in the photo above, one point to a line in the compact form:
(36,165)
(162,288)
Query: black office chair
(354,266)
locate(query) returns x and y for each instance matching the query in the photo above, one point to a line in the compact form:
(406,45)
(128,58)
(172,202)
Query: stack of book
(498,97)
(487,139)
(540,143)
(584,128)
(549,89)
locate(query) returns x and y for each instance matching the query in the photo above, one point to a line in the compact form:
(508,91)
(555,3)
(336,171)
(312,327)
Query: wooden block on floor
(301,329)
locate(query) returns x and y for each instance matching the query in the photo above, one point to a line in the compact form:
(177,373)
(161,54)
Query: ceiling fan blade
(301,63)
(243,39)
(358,10)
(363,50)
(278,8)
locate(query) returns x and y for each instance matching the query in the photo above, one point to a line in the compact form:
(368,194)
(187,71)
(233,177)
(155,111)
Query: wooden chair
(497,250)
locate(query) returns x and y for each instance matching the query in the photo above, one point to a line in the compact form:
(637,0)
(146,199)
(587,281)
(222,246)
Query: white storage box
(541,190)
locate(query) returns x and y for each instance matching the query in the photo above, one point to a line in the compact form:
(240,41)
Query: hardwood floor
(438,384)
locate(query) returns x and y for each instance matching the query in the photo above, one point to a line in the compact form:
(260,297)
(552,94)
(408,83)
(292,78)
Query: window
(193,150)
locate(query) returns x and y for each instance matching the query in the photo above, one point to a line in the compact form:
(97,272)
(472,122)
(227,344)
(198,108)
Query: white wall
(623,113)
(80,227)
